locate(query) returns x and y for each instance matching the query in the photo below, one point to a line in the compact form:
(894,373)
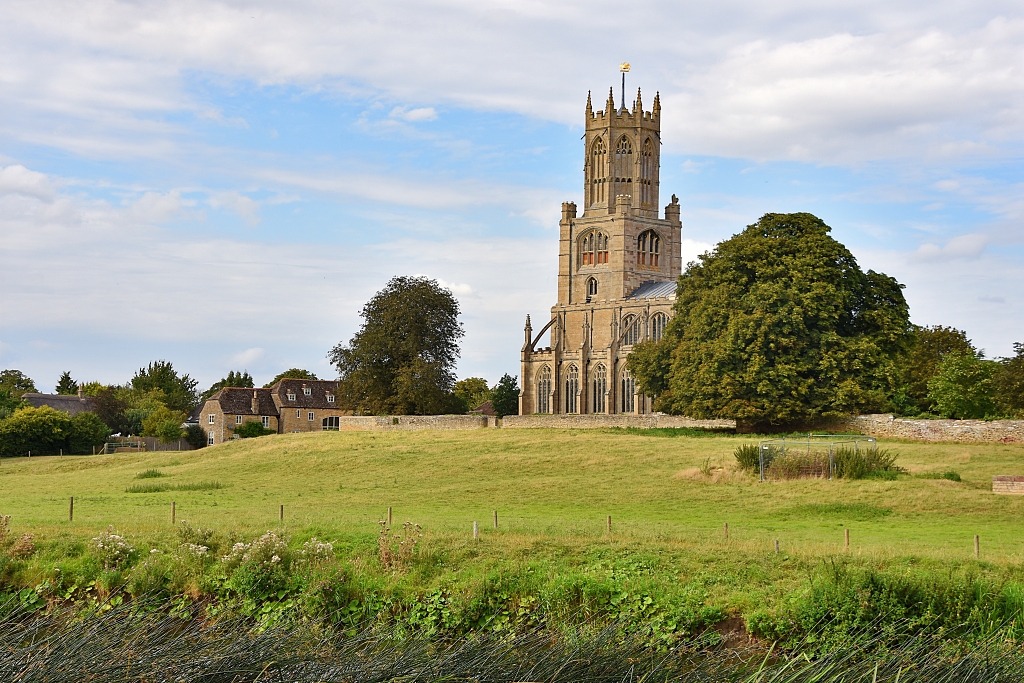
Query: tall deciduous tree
(233,379)
(179,390)
(473,390)
(293,373)
(402,360)
(962,386)
(16,383)
(778,324)
(505,396)
(927,348)
(66,386)
(1008,383)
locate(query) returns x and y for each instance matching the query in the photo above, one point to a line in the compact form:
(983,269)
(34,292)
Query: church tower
(617,267)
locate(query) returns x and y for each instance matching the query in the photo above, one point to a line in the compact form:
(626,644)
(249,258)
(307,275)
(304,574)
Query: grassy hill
(668,494)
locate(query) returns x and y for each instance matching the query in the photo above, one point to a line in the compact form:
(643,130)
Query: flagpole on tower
(624,67)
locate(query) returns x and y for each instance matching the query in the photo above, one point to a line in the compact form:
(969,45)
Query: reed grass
(160,488)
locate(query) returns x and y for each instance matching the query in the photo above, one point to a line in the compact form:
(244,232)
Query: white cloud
(412,115)
(961,247)
(246,358)
(17,179)
(245,207)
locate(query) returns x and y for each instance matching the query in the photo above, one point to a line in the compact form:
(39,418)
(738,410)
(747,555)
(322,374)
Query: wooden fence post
(776,546)
(727,531)
(71,509)
(977,546)
(476,531)
(609,523)
(281,514)
(389,517)
(495,519)
(846,538)
(174,511)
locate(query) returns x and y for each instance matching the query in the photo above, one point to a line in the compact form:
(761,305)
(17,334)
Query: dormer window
(330,398)
(291,397)
(306,391)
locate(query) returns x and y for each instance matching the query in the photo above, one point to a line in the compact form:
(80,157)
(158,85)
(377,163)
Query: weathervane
(624,67)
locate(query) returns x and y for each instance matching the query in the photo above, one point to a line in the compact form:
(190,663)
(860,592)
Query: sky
(223,185)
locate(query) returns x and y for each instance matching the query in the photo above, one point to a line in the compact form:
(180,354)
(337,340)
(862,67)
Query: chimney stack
(255,403)
(81,394)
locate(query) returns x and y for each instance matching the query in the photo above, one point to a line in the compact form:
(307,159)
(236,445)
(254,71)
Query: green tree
(777,325)
(293,373)
(1008,383)
(87,431)
(402,360)
(196,436)
(66,386)
(41,431)
(16,383)
(9,403)
(179,390)
(472,390)
(233,379)
(91,388)
(252,429)
(164,424)
(110,406)
(927,347)
(505,396)
(962,387)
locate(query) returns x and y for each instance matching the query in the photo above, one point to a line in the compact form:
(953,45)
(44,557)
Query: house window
(211,419)
(658,322)
(572,387)
(628,389)
(291,397)
(330,398)
(238,419)
(630,330)
(209,438)
(600,388)
(332,423)
(266,422)
(311,416)
(591,289)
(648,248)
(544,390)
(306,391)
(298,413)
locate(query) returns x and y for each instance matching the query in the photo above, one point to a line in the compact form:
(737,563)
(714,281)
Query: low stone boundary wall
(415,422)
(605,421)
(1008,485)
(962,431)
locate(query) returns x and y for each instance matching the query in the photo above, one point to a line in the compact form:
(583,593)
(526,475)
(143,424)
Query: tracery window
(630,330)
(658,322)
(593,249)
(647,172)
(628,390)
(598,168)
(648,249)
(623,170)
(600,388)
(572,388)
(591,289)
(544,390)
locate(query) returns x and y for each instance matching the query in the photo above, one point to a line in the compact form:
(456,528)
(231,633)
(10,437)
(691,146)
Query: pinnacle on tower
(611,100)
(639,104)
(590,108)
(657,101)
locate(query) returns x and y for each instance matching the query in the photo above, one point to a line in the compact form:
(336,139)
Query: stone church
(617,267)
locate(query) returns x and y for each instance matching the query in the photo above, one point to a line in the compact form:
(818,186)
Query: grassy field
(553,490)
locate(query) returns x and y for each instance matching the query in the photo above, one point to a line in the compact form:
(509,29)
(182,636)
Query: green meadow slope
(669,496)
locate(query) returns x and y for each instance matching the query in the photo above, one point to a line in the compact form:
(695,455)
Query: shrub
(24,548)
(87,431)
(150,474)
(315,551)
(164,424)
(195,436)
(258,570)
(748,456)
(962,388)
(43,431)
(795,464)
(859,463)
(396,552)
(113,550)
(252,429)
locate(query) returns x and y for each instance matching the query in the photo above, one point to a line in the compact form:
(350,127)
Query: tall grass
(128,644)
(160,488)
(151,473)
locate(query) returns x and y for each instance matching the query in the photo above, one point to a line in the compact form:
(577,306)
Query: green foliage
(179,390)
(66,386)
(16,383)
(110,406)
(962,387)
(252,429)
(151,473)
(778,324)
(9,403)
(164,424)
(195,436)
(233,379)
(43,431)
(928,347)
(505,396)
(160,488)
(293,373)
(748,456)
(1008,383)
(862,462)
(91,388)
(472,390)
(87,432)
(402,360)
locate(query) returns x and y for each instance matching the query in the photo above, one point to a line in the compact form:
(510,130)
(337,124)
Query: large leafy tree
(16,383)
(164,424)
(927,348)
(402,360)
(179,390)
(292,373)
(777,325)
(473,390)
(87,432)
(962,386)
(233,379)
(505,396)
(43,431)
(66,385)
(1008,383)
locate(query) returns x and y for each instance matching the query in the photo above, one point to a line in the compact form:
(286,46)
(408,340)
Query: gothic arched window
(648,249)
(598,170)
(623,170)
(628,390)
(630,330)
(658,322)
(591,289)
(544,390)
(572,388)
(600,388)
(593,249)
(647,172)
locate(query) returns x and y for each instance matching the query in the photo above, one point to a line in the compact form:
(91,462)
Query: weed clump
(151,473)
(748,456)
(879,463)
(396,552)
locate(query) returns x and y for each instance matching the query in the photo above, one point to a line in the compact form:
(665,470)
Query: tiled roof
(238,401)
(319,389)
(654,290)
(72,405)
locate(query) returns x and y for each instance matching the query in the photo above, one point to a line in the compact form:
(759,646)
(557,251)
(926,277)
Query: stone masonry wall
(1008,485)
(963,431)
(414,422)
(604,421)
